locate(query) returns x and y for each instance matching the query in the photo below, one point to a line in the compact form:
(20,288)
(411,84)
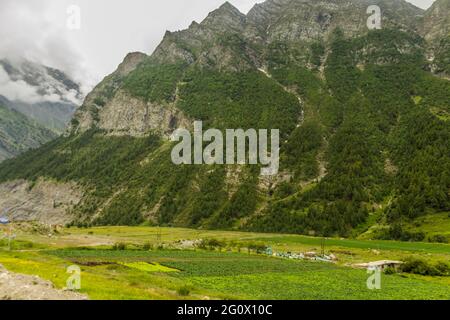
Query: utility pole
(158,234)
(10,229)
(322,246)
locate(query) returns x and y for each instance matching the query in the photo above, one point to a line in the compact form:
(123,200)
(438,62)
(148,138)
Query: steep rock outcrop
(86,116)
(43,201)
(436,22)
(126,115)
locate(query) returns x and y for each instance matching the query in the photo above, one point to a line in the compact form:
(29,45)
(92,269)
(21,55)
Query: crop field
(167,272)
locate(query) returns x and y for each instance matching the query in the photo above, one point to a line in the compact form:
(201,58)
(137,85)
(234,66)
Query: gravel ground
(15,286)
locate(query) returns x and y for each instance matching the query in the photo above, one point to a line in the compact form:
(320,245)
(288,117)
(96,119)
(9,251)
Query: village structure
(379,265)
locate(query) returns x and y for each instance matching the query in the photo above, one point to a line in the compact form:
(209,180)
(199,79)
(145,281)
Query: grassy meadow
(151,263)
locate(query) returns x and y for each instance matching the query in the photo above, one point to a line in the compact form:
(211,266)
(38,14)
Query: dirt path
(14,286)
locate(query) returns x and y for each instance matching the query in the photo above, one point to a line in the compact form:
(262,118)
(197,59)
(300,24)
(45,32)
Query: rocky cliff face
(303,20)
(44,201)
(110,108)
(436,30)
(87,115)
(126,115)
(436,22)
(228,40)
(201,42)
(297,23)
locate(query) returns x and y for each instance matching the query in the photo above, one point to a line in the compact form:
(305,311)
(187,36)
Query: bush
(119,246)
(413,236)
(211,244)
(438,238)
(396,232)
(258,248)
(183,291)
(416,266)
(419,266)
(443,268)
(147,246)
(99,102)
(389,270)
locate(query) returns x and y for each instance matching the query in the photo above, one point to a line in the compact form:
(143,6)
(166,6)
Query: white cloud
(20,90)
(36,29)
(47,90)
(28,31)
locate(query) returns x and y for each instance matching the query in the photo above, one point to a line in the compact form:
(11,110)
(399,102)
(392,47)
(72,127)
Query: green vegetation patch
(238,100)
(154,82)
(18,133)
(148,267)
(250,276)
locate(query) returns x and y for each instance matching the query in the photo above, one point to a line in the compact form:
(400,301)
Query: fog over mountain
(90,53)
(43,94)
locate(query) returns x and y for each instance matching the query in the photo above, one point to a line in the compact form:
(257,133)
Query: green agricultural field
(228,272)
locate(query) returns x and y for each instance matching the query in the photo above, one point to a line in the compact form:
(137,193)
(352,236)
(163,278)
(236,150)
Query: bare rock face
(170,52)
(15,286)
(45,201)
(131,61)
(113,110)
(205,44)
(306,20)
(225,18)
(297,23)
(87,115)
(437,21)
(229,41)
(126,115)
(436,30)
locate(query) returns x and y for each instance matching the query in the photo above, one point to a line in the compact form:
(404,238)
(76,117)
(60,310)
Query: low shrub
(184,291)
(389,270)
(119,246)
(211,244)
(396,232)
(422,267)
(99,102)
(438,238)
(147,246)
(443,268)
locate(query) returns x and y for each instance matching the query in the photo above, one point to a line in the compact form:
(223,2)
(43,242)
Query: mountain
(43,94)
(437,21)
(436,29)
(18,133)
(363,118)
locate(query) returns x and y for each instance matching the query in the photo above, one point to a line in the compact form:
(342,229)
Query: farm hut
(381,265)
(310,255)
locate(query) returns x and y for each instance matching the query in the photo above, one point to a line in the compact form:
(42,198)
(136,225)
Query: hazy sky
(37,30)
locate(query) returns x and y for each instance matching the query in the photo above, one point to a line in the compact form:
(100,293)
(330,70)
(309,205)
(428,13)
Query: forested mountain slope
(18,133)
(363,116)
